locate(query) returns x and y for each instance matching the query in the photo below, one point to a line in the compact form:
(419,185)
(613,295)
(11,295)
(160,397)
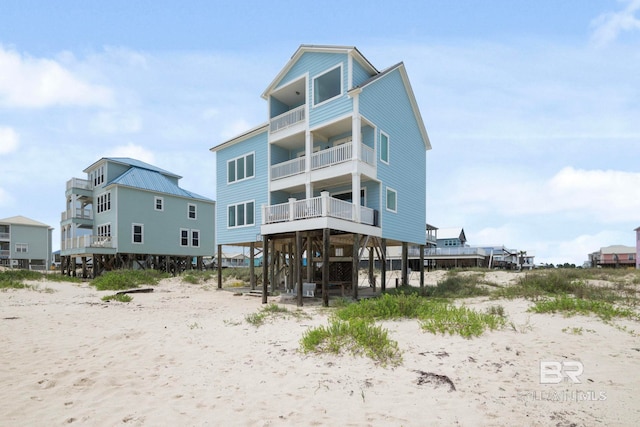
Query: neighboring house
(453,251)
(234,260)
(614,256)
(637,230)
(130,214)
(340,164)
(25,243)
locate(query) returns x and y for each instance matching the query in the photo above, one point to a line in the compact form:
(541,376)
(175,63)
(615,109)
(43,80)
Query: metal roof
(152,180)
(23,220)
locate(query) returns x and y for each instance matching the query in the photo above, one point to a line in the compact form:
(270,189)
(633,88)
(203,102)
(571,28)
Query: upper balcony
(81,187)
(323,159)
(81,216)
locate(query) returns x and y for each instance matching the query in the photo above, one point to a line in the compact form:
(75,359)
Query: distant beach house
(25,243)
(130,214)
(637,230)
(338,170)
(614,256)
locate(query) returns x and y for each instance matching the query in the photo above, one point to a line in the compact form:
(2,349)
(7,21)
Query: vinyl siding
(254,189)
(385,102)
(37,239)
(359,74)
(162,228)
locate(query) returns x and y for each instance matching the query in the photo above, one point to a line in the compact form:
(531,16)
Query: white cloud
(114,123)
(602,193)
(608,26)
(5,198)
(9,140)
(27,82)
(134,151)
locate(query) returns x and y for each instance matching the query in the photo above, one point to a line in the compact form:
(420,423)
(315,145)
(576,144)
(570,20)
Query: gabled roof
(23,220)
(412,98)
(151,180)
(304,48)
(452,233)
(127,161)
(618,249)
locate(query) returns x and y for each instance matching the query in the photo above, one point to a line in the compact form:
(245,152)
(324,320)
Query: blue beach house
(338,171)
(129,214)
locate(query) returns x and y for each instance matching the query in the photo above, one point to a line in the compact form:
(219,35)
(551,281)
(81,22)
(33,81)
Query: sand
(185,355)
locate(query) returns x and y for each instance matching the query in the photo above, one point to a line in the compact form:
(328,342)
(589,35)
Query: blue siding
(253,189)
(387,104)
(359,74)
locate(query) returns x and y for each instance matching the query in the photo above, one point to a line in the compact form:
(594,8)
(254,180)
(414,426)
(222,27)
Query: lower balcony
(319,212)
(87,244)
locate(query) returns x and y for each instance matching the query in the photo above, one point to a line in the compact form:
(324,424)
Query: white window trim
(386,199)
(386,162)
(155,203)
(313,86)
(195,211)
(191,238)
(244,203)
(180,237)
(133,241)
(235,160)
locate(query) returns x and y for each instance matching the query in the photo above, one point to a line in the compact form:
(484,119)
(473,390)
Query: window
(240,215)
(384,147)
(104,202)
(137,233)
(327,85)
(392,200)
(195,238)
(158,203)
(104,230)
(192,211)
(241,168)
(339,251)
(22,248)
(184,237)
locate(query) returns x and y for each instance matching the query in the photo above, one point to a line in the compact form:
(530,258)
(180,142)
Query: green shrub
(117,297)
(571,306)
(357,336)
(127,279)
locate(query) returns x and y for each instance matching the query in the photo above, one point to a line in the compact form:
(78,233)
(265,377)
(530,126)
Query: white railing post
(324,197)
(263,209)
(292,209)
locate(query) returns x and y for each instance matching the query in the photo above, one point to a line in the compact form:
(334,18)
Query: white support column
(355,195)
(324,199)
(292,204)
(308,152)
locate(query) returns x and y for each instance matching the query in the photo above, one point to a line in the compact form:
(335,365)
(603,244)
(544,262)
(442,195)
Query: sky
(532,108)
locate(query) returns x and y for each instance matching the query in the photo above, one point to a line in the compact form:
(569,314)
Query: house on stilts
(336,174)
(129,214)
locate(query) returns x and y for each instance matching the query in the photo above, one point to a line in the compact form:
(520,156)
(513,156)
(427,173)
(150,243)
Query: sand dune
(184,355)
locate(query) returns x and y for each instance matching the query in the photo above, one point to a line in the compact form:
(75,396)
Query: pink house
(638,247)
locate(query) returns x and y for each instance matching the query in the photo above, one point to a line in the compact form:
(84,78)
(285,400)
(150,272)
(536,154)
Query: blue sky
(533,108)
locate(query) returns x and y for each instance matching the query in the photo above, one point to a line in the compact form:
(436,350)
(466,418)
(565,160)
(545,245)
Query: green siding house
(25,243)
(130,214)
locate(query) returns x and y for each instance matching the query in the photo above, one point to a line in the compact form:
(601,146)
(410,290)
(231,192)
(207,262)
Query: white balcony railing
(79,213)
(288,168)
(79,183)
(4,253)
(287,119)
(460,250)
(5,236)
(83,242)
(323,206)
(322,159)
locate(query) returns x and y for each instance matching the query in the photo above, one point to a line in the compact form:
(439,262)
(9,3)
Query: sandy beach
(185,355)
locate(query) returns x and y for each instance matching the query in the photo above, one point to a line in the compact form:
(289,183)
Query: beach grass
(117,297)
(118,280)
(270,311)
